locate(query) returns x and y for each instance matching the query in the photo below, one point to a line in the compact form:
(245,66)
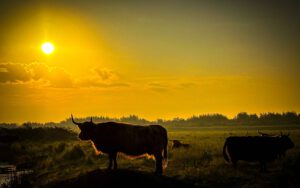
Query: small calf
(178,144)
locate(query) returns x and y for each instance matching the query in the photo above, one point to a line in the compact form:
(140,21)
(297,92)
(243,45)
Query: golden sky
(155,59)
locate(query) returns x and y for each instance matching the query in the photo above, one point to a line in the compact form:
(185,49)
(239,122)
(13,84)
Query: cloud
(106,74)
(34,72)
(187,85)
(95,81)
(101,78)
(102,85)
(39,70)
(164,86)
(43,75)
(11,72)
(158,87)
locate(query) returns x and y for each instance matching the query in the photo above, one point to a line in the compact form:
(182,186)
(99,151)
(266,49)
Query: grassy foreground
(201,165)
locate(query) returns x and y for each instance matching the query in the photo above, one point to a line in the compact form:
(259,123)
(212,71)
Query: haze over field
(155,59)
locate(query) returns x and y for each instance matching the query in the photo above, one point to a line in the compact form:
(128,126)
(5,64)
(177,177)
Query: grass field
(202,164)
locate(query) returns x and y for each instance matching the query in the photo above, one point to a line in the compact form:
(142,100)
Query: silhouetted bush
(45,134)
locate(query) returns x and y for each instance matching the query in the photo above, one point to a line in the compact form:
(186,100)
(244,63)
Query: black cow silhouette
(133,140)
(255,148)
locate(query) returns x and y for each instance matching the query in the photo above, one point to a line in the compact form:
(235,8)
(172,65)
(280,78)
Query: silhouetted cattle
(255,148)
(178,144)
(133,140)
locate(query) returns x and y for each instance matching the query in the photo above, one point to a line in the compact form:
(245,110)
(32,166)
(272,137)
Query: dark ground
(120,178)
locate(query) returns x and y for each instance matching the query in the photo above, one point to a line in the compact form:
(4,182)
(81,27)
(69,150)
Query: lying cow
(178,144)
(255,148)
(133,140)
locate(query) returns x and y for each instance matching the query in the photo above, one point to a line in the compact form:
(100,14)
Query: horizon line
(156,119)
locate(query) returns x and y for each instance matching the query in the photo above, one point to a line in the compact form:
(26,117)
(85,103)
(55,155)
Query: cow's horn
(91,120)
(74,121)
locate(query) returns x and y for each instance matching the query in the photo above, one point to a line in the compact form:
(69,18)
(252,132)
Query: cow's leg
(263,166)
(110,161)
(234,163)
(158,162)
(281,154)
(232,157)
(114,157)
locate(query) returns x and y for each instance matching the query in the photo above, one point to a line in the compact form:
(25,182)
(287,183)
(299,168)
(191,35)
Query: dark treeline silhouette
(242,118)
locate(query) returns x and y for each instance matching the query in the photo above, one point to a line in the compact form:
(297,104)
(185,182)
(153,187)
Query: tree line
(242,118)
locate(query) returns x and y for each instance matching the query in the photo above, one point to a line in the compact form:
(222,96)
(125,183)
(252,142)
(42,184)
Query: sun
(47,48)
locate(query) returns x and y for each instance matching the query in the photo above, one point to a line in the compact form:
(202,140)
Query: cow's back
(130,139)
(143,139)
(252,148)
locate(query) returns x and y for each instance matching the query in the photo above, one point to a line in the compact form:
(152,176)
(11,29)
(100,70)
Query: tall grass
(202,163)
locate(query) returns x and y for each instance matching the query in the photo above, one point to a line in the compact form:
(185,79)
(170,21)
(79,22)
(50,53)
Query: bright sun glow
(47,48)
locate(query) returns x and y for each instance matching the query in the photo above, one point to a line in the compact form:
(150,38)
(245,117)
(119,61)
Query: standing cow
(255,148)
(133,140)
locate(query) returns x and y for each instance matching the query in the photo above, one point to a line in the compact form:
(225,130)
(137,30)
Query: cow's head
(286,142)
(86,129)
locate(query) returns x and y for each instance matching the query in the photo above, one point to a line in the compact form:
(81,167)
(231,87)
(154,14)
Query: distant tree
(8,125)
(242,116)
(160,121)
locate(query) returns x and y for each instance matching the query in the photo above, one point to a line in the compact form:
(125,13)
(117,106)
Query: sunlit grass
(202,163)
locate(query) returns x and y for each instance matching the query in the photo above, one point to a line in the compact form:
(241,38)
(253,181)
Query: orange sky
(158,59)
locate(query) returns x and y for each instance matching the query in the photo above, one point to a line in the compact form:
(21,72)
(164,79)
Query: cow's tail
(165,152)
(224,152)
